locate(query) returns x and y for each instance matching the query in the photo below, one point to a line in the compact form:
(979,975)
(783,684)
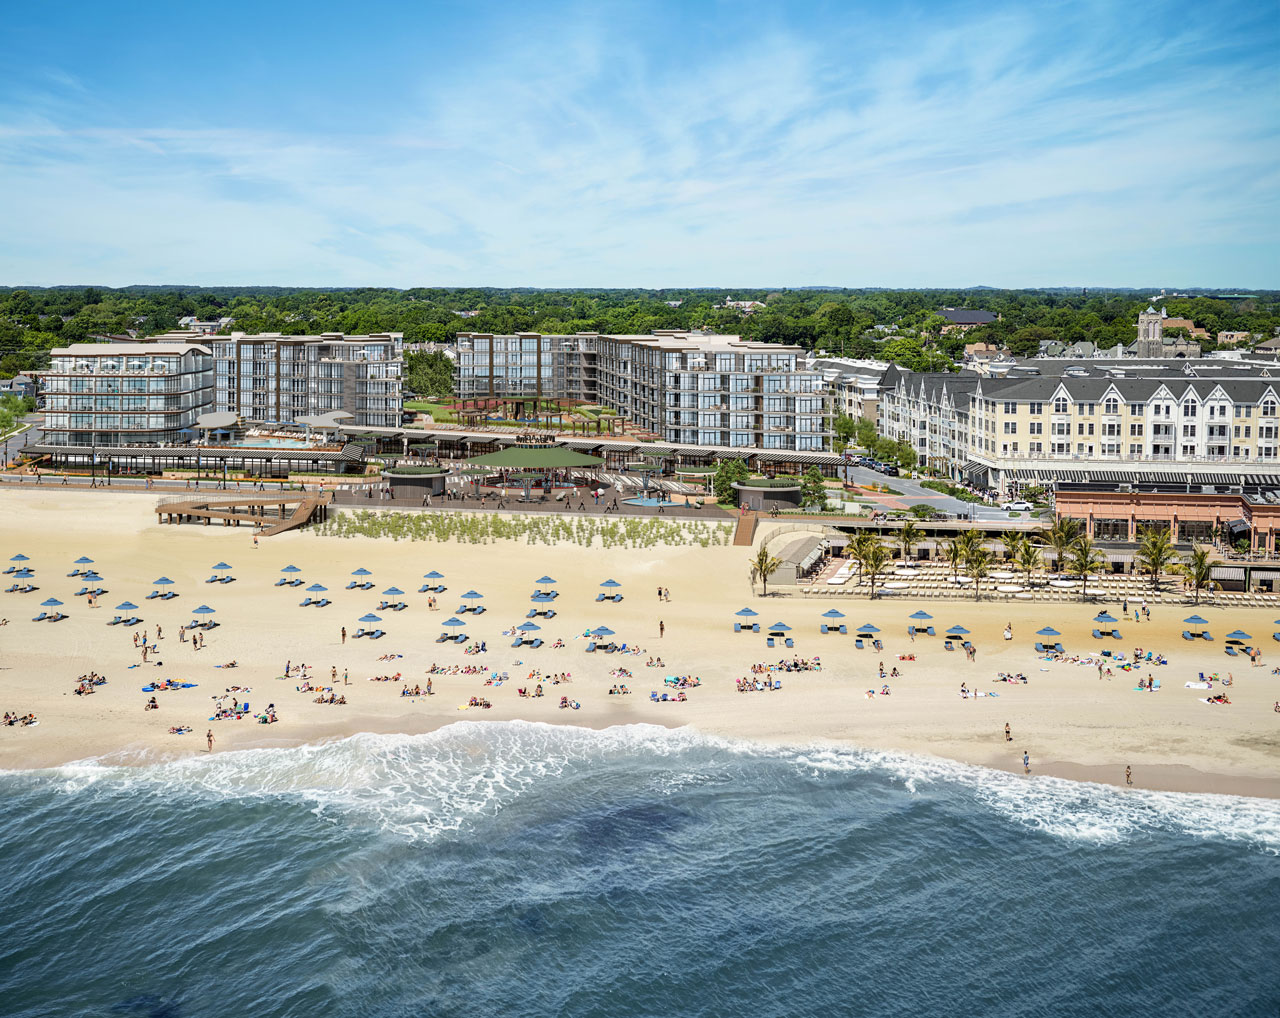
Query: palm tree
(908,537)
(1013,540)
(1029,559)
(1155,552)
(876,558)
(976,566)
(970,541)
(764,565)
(1085,560)
(953,553)
(859,548)
(1060,537)
(1197,566)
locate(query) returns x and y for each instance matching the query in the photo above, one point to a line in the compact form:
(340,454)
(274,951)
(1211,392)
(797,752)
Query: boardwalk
(273,513)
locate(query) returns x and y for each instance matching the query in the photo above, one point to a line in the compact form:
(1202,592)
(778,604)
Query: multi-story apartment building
(120,394)
(271,377)
(687,388)
(1196,422)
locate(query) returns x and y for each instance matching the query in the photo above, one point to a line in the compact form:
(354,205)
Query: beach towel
(1198,685)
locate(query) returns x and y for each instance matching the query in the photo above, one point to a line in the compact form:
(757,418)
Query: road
(914,492)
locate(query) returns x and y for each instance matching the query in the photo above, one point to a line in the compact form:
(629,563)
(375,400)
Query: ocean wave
(426,785)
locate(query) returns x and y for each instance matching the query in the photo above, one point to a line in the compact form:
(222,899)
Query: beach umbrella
(1103,617)
(602,631)
(471,595)
(779,627)
(290,569)
(921,615)
(611,583)
(362,571)
(545,580)
(527,627)
(373,618)
(433,575)
(1196,620)
(220,566)
(164,581)
(19,558)
(26,574)
(867,627)
(448,622)
(83,560)
(1239,636)
(1047,631)
(316,588)
(393,591)
(957,631)
(745,613)
(128,606)
(53,602)
(831,613)
(204,609)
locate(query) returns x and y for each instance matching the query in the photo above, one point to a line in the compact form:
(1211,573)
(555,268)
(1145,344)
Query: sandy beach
(1072,723)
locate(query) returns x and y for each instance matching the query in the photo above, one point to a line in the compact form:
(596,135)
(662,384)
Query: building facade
(275,378)
(143,394)
(687,388)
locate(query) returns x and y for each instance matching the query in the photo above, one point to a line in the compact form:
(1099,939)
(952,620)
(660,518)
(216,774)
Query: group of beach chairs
(366,585)
(392,606)
(295,581)
(25,589)
(426,588)
(452,638)
(546,613)
(372,634)
(120,620)
(210,624)
(226,579)
(85,592)
(167,595)
(615,598)
(46,617)
(319,602)
(543,596)
(1049,648)
(474,609)
(786,641)
(1100,634)
(950,644)
(607,648)
(84,574)
(523,641)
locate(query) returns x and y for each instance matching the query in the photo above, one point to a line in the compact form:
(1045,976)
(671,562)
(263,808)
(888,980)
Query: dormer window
(1060,405)
(1269,408)
(1111,406)
(1189,409)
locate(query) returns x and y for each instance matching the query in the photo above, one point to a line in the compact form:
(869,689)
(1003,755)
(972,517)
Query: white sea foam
(424,785)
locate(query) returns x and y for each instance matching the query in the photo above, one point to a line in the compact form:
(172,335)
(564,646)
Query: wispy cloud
(1034,145)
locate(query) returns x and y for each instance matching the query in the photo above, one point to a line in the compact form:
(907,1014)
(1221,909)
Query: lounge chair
(56,618)
(737,626)
(439,639)
(324,602)
(170,595)
(825,630)
(877,644)
(858,642)
(1207,637)
(359,633)
(116,621)
(1057,649)
(1187,635)
(1041,649)
(227,579)
(591,648)
(350,586)
(790,642)
(754,629)
(1097,635)
(81,592)
(929,630)
(306,604)
(460,638)
(1115,633)
(213,579)
(423,589)
(549,614)
(947,645)
(911,630)
(41,617)
(1232,651)
(155,593)
(769,642)
(532,613)
(517,642)
(537,643)
(844,630)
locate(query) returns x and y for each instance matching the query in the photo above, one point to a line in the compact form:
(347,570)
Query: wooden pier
(274,514)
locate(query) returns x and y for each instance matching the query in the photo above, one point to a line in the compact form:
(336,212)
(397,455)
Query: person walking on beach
(662,629)
(209,735)
(1128,775)
(333,673)
(1008,735)
(345,680)
(344,634)
(255,540)
(159,632)
(1026,762)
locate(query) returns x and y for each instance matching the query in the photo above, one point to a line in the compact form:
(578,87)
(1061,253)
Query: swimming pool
(649,501)
(272,443)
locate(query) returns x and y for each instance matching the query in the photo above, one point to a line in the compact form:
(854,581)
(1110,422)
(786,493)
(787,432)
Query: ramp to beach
(273,513)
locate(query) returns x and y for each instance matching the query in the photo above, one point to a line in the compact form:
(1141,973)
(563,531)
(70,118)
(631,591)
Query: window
(1189,409)
(1036,408)
(1011,408)
(1269,408)
(1037,447)
(1137,409)
(1188,431)
(1111,406)
(1135,449)
(1135,430)
(1010,427)
(1037,428)
(1060,405)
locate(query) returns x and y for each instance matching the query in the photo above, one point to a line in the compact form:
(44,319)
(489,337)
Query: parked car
(1017,507)
(889,470)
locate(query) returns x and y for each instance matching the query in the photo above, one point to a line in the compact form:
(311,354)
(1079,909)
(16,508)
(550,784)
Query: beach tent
(373,618)
(867,627)
(920,615)
(957,631)
(611,583)
(745,613)
(831,613)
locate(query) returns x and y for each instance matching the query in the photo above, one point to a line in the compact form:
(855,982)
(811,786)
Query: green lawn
(439,413)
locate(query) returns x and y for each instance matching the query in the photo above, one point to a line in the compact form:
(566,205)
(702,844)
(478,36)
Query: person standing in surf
(209,735)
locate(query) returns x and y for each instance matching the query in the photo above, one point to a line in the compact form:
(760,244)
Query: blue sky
(603,144)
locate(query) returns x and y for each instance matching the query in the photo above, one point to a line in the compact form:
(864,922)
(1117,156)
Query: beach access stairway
(274,514)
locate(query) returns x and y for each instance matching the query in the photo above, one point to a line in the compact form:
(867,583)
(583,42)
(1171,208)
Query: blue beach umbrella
(602,631)
(922,615)
(316,588)
(362,571)
(290,569)
(1196,620)
(1103,617)
(83,560)
(471,595)
(779,627)
(53,602)
(433,575)
(128,606)
(745,613)
(24,574)
(373,618)
(204,609)
(1047,631)
(957,631)
(611,583)
(1239,636)
(527,627)
(164,581)
(221,566)
(831,613)
(867,628)
(393,591)
(19,558)
(448,622)
(544,580)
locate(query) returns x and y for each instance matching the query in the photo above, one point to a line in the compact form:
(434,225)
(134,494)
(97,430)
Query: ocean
(515,869)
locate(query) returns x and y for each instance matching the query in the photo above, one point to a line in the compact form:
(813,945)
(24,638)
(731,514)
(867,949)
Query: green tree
(1155,552)
(953,555)
(813,488)
(1060,536)
(1197,566)
(1013,541)
(1085,559)
(727,473)
(873,561)
(976,567)
(908,538)
(1029,559)
(764,565)
(845,427)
